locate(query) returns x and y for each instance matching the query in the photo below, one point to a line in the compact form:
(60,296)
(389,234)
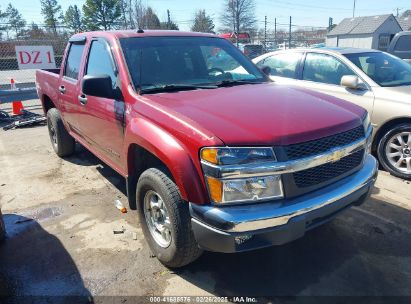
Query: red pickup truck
(215,156)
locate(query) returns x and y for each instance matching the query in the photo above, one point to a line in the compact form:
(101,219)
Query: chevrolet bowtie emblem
(336,156)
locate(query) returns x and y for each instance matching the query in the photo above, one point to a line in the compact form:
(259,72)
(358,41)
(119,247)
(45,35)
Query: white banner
(35,57)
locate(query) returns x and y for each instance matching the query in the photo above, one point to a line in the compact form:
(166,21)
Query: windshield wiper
(175,88)
(230,82)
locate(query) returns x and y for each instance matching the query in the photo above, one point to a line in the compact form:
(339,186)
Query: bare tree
(139,11)
(239,15)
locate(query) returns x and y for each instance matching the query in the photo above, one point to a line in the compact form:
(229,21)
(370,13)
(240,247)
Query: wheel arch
(47,103)
(150,146)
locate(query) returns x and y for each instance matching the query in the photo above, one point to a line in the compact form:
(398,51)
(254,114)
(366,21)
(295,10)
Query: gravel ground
(60,217)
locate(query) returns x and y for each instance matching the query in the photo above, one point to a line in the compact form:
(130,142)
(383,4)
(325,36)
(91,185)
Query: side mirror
(266,70)
(98,85)
(351,82)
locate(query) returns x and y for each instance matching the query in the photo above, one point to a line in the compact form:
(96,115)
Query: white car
(377,81)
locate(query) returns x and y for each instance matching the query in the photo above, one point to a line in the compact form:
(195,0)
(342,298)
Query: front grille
(322,145)
(329,171)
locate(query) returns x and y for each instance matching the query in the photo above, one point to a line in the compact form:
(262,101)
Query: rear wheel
(62,142)
(165,219)
(394,151)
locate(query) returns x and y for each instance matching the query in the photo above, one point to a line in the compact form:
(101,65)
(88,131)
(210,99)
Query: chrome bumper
(252,217)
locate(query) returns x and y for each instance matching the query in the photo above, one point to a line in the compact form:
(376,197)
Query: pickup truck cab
(400,46)
(213,159)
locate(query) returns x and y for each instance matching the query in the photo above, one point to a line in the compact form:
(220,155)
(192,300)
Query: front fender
(178,157)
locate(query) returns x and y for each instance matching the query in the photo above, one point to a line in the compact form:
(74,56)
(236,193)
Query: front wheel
(165,219)
(394,151)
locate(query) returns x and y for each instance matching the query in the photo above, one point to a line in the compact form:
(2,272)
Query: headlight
(231,190)
(237,156)
(366,122)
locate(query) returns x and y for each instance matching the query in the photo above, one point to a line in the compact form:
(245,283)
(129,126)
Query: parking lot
(60,217)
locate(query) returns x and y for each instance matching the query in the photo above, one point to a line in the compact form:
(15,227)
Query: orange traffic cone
(17,105)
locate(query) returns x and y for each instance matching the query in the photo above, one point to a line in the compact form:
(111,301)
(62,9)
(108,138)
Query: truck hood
(262,114)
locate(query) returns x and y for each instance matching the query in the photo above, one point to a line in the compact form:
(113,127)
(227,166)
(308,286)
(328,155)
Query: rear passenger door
(69,84)
(284,66)
(323,73)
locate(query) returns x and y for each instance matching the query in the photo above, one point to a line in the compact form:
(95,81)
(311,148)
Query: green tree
(51,11)
(203,22)
(15,20)
(3,27)
(72,19)
(102,14)
(169,26)
(406,13)
(150,20)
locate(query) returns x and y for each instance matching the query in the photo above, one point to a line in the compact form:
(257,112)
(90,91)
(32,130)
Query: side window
(403,43)
(99,61)
(73,61)
(325,69)
(283,65)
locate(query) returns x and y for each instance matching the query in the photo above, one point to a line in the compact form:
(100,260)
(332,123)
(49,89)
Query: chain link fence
(9,68)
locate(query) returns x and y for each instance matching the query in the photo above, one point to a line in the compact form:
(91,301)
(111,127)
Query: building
(372,32)
(405,23)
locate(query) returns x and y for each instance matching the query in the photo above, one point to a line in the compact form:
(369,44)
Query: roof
(347,50)
(405,23)
(339,50)
(359,25)
(146,33)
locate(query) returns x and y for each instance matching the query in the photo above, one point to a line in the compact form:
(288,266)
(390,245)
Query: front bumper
(252,226)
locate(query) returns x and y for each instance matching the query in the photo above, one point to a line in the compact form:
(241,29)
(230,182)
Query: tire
(179,247)
(397,161)
(2,228)
(63,144)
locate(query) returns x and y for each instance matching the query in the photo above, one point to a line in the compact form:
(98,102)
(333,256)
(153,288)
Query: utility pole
(289,35)
(330,24)
(353,10)
(168,19)
(265,34)
(275,31)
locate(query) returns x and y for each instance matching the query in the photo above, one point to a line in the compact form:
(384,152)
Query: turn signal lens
(215,188)
(210,155)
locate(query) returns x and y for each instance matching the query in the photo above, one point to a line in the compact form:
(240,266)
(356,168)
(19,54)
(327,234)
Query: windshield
(174,63)
(383,68)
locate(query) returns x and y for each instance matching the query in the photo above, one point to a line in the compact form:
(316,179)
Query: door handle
(62,89)
(83,99)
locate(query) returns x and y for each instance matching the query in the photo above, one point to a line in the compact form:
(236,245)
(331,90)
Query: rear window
(403,44)
(72,68)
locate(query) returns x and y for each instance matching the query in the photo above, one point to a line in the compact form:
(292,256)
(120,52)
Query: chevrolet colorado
(215,156)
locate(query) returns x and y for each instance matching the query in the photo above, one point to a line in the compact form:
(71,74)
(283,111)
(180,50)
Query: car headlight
(247,189)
